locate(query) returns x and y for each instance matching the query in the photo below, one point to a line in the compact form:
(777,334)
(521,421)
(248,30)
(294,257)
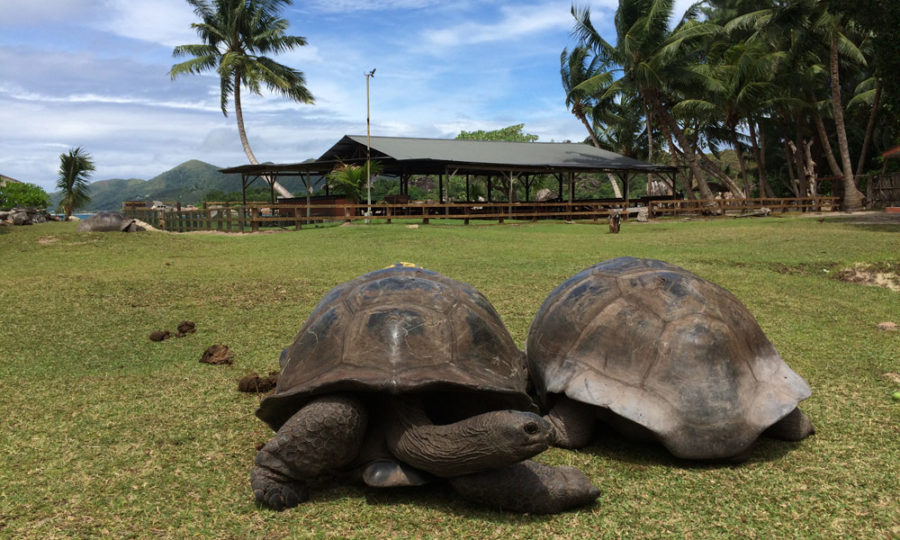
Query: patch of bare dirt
(46,240)
(891,376)
(217,355)
(866,217)
(884,275)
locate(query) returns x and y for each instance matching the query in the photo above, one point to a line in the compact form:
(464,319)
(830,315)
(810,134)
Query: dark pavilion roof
(404,155)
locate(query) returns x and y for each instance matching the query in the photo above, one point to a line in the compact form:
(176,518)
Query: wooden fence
(228,217)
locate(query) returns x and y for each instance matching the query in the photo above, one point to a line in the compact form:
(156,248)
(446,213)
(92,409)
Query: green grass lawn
(104,433)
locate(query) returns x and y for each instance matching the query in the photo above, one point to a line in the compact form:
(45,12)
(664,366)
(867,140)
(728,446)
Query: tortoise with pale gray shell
(403,375)
(108,221)
(660,354)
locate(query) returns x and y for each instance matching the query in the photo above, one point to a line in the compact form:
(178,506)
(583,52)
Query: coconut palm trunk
(759,152)
(870,128)
(852,200)
(612,181)
(689,156)
(242,132)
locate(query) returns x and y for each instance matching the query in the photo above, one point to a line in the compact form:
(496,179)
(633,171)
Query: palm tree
(816,38)
(236,35)
(575,68)
(74,170)
(654,63)
(739,85)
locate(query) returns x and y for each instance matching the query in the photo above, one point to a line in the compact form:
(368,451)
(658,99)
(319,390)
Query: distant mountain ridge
(187,183)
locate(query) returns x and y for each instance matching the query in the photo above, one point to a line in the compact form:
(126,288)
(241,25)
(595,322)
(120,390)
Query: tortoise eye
(532,428)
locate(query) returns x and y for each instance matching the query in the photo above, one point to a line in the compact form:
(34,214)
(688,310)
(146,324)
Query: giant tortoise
(403,375)
(108,221)
(660,353)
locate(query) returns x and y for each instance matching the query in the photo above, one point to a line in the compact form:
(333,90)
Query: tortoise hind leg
(325,434)
(796,426)
(528,486)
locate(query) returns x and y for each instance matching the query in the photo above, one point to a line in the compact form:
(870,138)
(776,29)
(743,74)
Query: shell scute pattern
(397,330)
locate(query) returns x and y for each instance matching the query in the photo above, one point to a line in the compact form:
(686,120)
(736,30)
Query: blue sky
(94,73)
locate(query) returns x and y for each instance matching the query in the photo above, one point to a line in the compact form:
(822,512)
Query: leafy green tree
(510,133)
(237,35)
(75,168)
(23,194)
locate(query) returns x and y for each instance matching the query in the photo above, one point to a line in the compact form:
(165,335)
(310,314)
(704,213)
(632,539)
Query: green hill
(187,183)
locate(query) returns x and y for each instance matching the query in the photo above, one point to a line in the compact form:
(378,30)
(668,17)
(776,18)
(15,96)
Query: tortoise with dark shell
(404,375)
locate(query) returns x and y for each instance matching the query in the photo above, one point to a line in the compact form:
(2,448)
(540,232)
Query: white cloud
(27,13)
(166,22)
(344,6)
(516,22)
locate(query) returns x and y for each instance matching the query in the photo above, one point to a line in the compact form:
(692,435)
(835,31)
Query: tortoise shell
(663,348)
(399,330)
(108,221)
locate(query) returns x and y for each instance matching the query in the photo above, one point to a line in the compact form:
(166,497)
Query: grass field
(104,433)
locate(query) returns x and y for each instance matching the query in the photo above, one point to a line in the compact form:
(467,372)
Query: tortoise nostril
(532,428)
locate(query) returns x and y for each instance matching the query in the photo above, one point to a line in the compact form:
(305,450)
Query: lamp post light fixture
(368,75)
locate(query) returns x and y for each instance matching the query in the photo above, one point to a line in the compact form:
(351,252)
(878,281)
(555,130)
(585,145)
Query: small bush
(23,194)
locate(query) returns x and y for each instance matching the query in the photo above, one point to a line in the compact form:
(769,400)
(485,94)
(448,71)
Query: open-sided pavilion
(404,157)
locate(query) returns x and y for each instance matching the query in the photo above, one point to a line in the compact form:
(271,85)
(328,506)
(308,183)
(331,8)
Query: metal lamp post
(369,75)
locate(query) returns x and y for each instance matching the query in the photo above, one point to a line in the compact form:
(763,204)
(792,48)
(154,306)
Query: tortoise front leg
(325,434)
(573,423)
(528,486)
(486,441)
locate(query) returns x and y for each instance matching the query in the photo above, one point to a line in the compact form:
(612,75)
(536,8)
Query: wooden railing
(232,217)
(731,206)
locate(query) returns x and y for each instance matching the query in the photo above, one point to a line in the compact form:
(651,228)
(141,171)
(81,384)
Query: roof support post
(308,181)
(571,187)
(625,177)
(468,198)
(509,199)
(271,181)
(671,176)
(441,188)
(489,188)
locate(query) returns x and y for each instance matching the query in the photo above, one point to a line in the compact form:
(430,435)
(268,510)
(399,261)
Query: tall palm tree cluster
(791,86)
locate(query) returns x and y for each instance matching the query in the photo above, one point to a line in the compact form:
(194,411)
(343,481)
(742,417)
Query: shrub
(23,194)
